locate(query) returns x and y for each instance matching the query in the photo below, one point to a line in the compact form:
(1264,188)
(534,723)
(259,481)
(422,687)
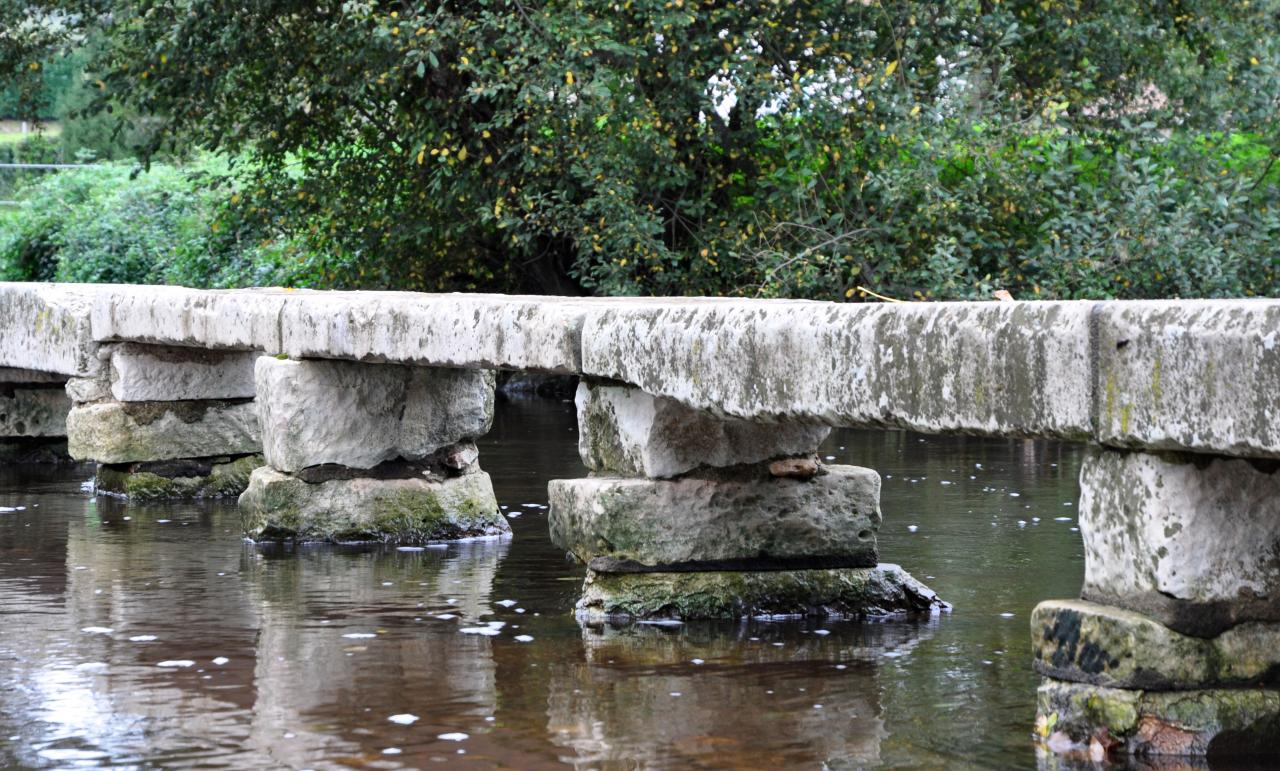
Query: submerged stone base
(418,509)
(1093,722)
(34,450)
(1085,642)
(187,479)
(883,590)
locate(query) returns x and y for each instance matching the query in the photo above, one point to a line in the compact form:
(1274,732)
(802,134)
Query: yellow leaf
(421,155)
(568,77)
(892,68)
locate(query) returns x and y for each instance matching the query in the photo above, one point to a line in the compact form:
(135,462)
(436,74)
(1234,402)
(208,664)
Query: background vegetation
(917,149)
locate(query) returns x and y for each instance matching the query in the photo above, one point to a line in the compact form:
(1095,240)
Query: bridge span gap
(352,416)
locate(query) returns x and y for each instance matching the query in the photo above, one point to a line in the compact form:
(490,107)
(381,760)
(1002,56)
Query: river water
(151,636)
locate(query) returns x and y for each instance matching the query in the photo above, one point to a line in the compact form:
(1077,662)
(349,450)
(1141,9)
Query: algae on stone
(280,507)
(853,592)
(225,478)
(1085,642)
(1154,723)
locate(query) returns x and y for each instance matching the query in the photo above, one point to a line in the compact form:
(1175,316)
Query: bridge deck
(1196,375)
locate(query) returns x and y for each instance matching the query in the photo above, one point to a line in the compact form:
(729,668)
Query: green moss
(226,480)
(734,594)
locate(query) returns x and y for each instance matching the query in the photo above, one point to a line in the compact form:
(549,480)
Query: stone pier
(361,452)
(33,416)
(688,515)
(1174,647)
(166,423)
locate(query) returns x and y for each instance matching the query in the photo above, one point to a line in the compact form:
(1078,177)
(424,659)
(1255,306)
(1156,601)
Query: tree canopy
(672,146)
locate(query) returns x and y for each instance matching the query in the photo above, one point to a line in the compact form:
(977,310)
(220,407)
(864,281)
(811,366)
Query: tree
(672,146)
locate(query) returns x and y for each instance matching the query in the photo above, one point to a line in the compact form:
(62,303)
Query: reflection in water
(299,658)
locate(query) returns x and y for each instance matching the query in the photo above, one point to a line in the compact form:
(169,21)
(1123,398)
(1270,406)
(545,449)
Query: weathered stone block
(141,373)
(854,592)
(126,432)
(1020,369)
(1201,375)
(626,431)
(1089,643)
(230,319)
(45,327)
(87,390)
(1072,716)
(34,412)
(187,479)
(360,415)
(719,520)
(278,506)
(1191,541)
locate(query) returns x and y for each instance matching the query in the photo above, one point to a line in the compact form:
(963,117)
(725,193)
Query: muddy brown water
(153,637)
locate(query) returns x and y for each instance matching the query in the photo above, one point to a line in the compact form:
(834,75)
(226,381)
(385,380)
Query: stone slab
(884,590)
(360,415)
(745,520)
(1198,375)
(34,412)
(127,432)
(1085,642)
(624,430)
(46,327)
(193,480)
(16,376)
(1016,369)
(146,373)
(1096,723)
(445,330)
(1191,541)
(280,507)
(236,319)
(448,330)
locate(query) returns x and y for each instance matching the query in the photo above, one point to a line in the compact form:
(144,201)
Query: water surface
(151,636)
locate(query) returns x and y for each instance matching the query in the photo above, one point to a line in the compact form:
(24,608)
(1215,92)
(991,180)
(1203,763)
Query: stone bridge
(351,416)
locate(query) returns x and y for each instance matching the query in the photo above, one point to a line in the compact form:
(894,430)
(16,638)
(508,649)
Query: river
(152,636)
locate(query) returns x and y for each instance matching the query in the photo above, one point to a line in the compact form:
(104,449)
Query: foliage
(1057,149)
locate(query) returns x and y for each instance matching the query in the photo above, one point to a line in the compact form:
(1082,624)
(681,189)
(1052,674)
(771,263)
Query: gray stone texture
(1019,369)
(624,430)
(33,411)
(359,415)
(1085,642)
(45,327)
(127,432)
(884,590)
(1077,718)
(1191,541)
(278,506)
(742,520)
(145,373)
(1200,375)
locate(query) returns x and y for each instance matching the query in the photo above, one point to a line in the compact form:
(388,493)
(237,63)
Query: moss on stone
(879,591)
(1138,722)
(279,506)
(225,480)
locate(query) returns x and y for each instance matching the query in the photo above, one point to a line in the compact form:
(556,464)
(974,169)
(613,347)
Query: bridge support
(1175,646)
(370,452)
(166,423)
(692,516)
(33,416)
